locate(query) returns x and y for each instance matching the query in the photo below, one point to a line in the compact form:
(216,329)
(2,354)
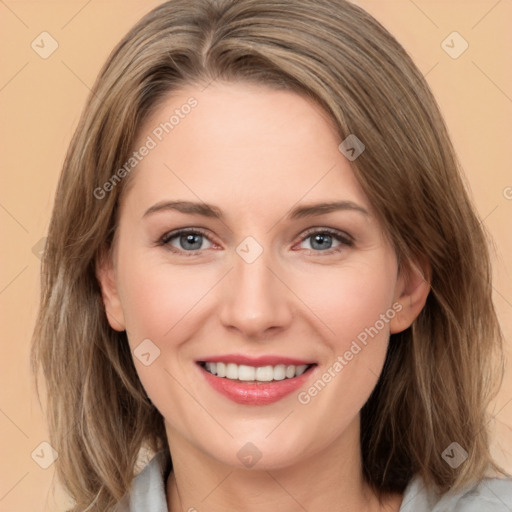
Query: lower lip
(263,393)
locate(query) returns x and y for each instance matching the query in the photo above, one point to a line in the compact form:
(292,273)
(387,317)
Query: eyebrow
(208,210)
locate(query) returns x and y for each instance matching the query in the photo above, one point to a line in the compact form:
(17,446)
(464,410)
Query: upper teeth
(260,373)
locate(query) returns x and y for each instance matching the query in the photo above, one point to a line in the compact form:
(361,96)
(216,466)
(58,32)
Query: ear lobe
(106,275)
(413,287)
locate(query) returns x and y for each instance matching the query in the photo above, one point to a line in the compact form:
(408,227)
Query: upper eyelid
(333,231)
(174,233)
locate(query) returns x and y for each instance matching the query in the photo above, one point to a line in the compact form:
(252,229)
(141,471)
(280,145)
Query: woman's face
(265,283)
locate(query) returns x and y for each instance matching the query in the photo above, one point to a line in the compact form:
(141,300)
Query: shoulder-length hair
(439,375)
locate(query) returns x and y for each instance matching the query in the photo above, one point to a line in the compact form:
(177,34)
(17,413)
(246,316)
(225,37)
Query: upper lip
(267,360)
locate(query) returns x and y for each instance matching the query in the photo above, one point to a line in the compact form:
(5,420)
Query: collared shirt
(147,493)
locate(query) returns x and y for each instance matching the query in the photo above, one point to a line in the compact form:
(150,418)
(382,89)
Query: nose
(255,299)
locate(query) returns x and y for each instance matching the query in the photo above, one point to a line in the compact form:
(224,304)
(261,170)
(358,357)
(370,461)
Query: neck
(329,480)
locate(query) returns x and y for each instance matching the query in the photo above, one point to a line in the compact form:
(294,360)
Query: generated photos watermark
(305,397)
(151,142)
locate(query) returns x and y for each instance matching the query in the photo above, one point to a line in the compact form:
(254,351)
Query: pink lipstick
(255,380)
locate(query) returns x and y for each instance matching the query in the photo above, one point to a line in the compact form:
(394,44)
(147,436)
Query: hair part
(439,375)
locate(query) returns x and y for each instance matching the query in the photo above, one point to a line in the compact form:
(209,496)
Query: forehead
(243,145)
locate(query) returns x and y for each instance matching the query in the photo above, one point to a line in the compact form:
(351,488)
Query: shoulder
(488,495)
(147,491)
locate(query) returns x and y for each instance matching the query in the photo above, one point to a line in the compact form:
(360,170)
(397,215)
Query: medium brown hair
(439,375)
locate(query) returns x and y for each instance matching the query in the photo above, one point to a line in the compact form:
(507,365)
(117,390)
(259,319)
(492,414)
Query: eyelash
(344,239)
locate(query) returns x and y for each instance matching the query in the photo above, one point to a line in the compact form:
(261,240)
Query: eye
(188,241)
(321,240)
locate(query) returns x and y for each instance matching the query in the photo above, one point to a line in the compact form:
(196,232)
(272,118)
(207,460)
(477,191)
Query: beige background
(41,100)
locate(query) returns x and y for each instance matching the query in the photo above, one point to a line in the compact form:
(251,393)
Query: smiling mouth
(254,374)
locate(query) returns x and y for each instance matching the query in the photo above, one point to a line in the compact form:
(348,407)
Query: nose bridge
(254,299)
(251,272)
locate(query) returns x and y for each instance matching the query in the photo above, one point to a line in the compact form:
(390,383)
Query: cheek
(356,306)
(160,302)
(350,300)
(156,297)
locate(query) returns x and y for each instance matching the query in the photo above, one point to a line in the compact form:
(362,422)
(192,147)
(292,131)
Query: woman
(328,340)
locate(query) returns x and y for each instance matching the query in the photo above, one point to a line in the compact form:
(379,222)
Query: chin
(258,452)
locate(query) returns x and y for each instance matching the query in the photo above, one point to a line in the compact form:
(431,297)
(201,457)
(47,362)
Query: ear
(411,292)
(106,275)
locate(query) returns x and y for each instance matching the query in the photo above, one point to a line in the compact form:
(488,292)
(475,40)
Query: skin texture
(255,153)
